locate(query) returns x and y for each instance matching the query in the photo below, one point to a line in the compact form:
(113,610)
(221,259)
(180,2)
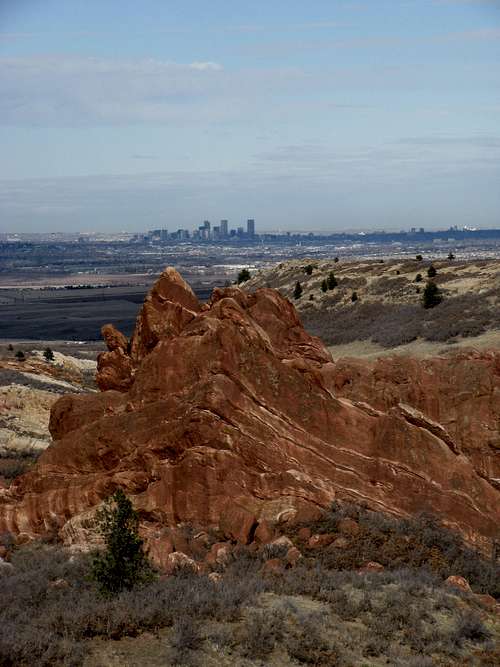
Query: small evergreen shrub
(297,292)
(431,296)
(243,276)
(123,564)
(331,281)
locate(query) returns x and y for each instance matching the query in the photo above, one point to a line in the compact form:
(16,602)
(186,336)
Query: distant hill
(388,311)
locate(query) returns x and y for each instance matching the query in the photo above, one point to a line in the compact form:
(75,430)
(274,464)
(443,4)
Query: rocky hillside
(387,307)
(229,415)
(28,390)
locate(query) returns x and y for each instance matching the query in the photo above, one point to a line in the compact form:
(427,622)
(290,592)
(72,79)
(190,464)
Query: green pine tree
(431,271)
(431,296)
(243,276)
(331,281)
(48,354)
(324,286)
(123,563)
(297,292)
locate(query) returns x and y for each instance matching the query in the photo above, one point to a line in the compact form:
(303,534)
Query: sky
(325,115)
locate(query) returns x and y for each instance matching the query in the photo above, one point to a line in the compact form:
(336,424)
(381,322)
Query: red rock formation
(457,398)
(230,417)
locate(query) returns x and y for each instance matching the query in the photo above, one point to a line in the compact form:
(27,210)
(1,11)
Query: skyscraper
(251,227)
(223,228)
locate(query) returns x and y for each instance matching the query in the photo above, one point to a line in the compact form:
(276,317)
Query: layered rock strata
(231,415)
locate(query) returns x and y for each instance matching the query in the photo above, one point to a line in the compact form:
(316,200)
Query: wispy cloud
(72,90)
(140,156)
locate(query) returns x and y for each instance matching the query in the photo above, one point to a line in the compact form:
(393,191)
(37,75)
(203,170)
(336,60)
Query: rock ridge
(229,414)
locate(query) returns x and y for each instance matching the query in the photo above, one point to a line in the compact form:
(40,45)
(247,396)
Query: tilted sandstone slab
(458,395)
(231,417)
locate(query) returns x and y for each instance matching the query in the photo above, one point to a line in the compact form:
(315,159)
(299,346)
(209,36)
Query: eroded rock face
(231,418)
(455,397)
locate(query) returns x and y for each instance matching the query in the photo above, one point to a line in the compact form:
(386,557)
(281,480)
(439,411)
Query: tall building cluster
(204,232)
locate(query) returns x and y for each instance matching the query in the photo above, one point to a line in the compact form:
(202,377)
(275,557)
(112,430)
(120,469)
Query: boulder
(293,555)
(264,533)
(320,541)
(371,566)
(348,527)
(304,534)
(340,543)
(458,582)
(283,541)
(178,561)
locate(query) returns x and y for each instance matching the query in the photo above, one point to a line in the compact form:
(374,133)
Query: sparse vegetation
(451,256)
(419,258)
(14,465)
(321,612)
(354,297)
(48,354)
(20,356)
(297,292)
(324,286)
(392,324)
(418,278)
(308,269)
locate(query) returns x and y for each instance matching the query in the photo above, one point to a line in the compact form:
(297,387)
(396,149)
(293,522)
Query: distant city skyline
(328,116)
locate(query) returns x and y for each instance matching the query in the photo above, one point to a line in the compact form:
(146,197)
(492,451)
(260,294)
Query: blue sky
(332,115)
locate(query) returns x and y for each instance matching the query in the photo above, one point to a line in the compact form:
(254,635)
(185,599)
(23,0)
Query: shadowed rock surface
(230,414)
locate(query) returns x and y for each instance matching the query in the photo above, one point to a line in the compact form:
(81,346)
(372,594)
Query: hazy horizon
(330,116)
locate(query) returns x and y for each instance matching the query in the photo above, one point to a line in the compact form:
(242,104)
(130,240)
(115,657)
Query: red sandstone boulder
(320,541)
(371,566)
(264,533)
(348,527)
(283,541)
(340,543)
(458,582)
(178,561)
(293,555)
(220,554)
(114,339)
(234,414)
(304,534)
